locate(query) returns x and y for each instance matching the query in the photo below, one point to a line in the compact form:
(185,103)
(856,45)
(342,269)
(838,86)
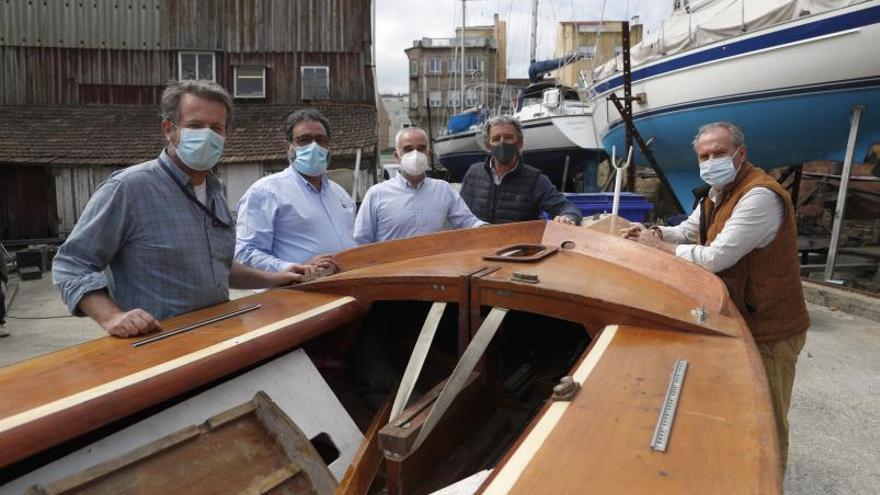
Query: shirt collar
(495,176)
(302,179)
(407,184)
(179,174)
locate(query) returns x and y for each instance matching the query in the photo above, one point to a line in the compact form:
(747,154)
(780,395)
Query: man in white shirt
(410,203)
(745,232)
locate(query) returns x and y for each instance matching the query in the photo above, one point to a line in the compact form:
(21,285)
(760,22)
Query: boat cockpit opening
(483,407)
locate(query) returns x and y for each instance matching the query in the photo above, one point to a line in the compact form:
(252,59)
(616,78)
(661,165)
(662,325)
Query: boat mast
(461,93)
(534,43)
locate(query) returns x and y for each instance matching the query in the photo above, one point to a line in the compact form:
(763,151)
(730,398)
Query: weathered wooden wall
(123,51)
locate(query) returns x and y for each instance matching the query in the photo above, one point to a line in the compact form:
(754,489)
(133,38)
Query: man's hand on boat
(324,263)
(114,320)
(650,237)
(565,219)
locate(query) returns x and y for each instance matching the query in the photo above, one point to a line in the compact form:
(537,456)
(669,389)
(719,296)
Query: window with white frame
(471,98)
(315,82)
(250,81)
(473,64)
(413,67)
(454,65)
(588,51)
(435,98)
(435,66)
(454,98)
(196,65)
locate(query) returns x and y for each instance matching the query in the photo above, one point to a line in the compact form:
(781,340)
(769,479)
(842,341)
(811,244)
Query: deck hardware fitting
(566,389)
(660,440)
(528,278)
(700,314)
(195,325)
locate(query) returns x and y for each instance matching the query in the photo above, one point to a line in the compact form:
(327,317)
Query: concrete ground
(835,425)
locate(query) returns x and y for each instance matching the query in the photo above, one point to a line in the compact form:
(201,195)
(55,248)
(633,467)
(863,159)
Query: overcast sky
(399,22)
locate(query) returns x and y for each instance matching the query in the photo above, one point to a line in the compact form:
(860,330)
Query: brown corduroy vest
(765,284)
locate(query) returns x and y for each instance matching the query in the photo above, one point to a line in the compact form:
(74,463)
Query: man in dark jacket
(503,189)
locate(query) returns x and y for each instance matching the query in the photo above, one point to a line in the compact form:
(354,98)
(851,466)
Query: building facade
(435,74)
(597,42)
(396,118)
(81,85)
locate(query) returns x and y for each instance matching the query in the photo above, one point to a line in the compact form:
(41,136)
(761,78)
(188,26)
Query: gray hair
(405,130)
(208,90)
(736,134)
(503,120)
(305,115)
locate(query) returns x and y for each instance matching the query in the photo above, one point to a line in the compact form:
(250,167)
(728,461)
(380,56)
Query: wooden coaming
(723,439)
(61,395)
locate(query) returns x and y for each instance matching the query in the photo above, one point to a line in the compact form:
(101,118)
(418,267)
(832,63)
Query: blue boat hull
(781,129)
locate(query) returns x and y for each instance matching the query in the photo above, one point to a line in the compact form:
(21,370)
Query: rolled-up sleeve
(554,202)
(255,231)
(459,215)
(99,234)
(365,223)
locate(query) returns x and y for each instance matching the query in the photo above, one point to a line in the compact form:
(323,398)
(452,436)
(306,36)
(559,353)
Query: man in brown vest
(744,230)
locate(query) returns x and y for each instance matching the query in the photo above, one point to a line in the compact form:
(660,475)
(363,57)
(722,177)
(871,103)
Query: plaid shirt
(143,240)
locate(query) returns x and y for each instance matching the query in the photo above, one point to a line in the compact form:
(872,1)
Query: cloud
(399,23)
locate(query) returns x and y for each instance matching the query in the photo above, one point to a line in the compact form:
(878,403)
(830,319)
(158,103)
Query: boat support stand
(840,208)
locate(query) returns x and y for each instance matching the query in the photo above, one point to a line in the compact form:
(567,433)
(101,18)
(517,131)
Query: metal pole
(627,101)
(840,208)
(430,131)
(461,95)
(564,174)
(534,42)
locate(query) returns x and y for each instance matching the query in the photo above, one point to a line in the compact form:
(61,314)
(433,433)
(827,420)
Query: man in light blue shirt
(410,203)
(297,215)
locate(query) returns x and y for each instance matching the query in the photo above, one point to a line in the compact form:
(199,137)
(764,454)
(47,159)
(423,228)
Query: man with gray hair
(297,215)
(745,231)
(502,189)
(410,203)
(161,227)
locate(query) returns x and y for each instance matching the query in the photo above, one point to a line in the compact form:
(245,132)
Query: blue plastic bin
(633,207)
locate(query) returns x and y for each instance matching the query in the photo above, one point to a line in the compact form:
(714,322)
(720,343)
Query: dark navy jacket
(524,192)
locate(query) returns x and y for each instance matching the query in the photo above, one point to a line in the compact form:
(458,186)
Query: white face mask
(718,171)
(414,163)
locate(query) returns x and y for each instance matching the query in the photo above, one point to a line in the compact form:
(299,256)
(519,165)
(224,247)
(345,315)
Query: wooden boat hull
(641,308)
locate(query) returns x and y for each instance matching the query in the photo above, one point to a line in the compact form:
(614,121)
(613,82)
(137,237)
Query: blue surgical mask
(311,160)
(718,171)
(199,149)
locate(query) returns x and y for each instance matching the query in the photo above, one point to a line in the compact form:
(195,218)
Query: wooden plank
(368,459)
(252,448)
(70,392)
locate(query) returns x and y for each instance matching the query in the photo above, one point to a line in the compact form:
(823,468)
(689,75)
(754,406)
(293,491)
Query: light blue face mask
(199,149)
(311,160)
(718,171)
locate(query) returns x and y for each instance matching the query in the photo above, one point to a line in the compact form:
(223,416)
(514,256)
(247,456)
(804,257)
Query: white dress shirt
(753,224)
(395,209)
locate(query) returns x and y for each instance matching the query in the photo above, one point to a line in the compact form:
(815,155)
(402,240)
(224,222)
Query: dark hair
(304,115)
(209,90)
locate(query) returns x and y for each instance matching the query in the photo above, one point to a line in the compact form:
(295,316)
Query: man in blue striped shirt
(156,239)
(410,203)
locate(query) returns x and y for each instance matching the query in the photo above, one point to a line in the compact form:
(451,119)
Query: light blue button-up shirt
(165,254)
(284,219)
(395,209)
